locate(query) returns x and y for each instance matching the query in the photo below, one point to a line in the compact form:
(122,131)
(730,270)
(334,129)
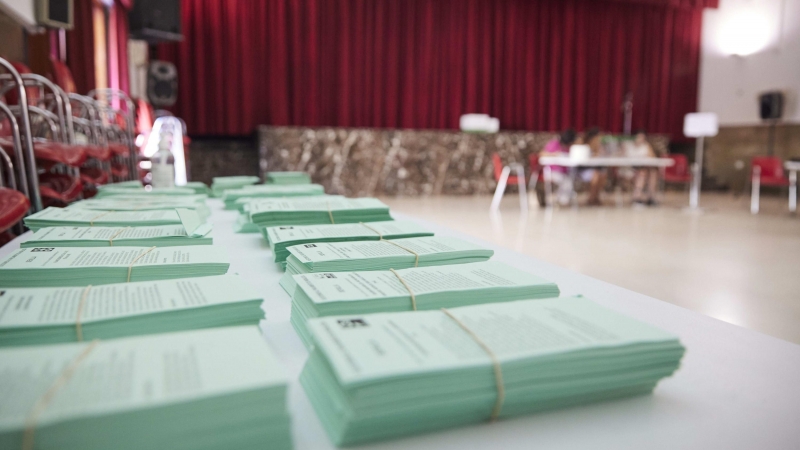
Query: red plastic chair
(13,207)
(63,76)
(766,171)
(502,174)
(679,172)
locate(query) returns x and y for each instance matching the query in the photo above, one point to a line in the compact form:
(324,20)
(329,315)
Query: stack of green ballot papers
(287,178)
(379,376)
(133,184)
(280,238)
(244,223)
(220,184)
(203,390)
(333,293)
(80,217)
(234,198)
(144,192)
(316,210)
(198,187)
(145,204)
(72,266)
(159,236)
(379,255)
(35,316)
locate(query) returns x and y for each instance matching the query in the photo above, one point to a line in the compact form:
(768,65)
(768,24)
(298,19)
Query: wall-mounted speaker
(770,105)
(156,20)
(162,83)
(55,13)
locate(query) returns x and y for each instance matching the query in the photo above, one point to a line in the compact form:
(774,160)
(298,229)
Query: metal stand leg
(523,193)
(501,188)
(548,186)
(697,175)
(793,191)
(756,190)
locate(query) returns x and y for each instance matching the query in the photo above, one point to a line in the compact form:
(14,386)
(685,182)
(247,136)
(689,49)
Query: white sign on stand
(698,125)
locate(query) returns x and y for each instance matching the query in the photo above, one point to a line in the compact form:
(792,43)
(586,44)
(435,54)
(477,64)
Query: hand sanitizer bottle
(163,169)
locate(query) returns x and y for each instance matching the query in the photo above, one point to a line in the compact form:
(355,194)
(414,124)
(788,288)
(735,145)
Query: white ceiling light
(744,33)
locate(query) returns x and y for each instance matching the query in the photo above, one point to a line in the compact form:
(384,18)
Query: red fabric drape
(118,47)
(535,64)
(80,47)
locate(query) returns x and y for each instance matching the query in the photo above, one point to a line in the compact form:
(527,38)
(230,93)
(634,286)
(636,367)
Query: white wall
(20,10)
(769,30)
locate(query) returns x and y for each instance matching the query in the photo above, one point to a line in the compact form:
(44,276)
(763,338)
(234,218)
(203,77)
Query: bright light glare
(745,33)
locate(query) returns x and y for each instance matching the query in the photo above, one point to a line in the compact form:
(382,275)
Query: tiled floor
(725,263)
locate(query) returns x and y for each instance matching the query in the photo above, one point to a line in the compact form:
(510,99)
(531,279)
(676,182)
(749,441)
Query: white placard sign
(700,124)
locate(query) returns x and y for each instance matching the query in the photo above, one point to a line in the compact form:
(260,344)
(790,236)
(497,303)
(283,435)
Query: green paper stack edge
(337,293)
(176,391)
(51,315)
(380,376)
(379,255)
(281,237)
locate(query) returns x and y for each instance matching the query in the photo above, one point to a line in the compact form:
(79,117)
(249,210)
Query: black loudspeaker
(55,13)
(162,83)
(156,20)
(770,105)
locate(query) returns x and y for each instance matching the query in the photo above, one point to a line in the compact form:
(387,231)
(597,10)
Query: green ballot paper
(282,237)
(79,217)
(145,192)
(379,255)
(73,266)
(287,178)
(198,187)
(159,236)
(133,184)
(202,390)
(192,231)
(378,376)
(245,224)
(123,203)
(220,184)
(35,316)
(316,210)
(334,293)
(234,198)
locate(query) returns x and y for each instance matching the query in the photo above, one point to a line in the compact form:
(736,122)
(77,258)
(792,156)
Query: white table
(606,161)
(573,164)
(736,389)
(793,167)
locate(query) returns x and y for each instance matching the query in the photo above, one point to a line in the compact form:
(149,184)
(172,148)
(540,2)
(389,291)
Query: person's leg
(652,185)
(596,185)
(638,185)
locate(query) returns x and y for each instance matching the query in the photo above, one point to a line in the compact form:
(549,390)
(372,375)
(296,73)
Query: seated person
(640,148)
(558,147)
(596,178)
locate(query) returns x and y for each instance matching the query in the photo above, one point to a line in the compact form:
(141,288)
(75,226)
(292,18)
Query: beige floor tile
(725,262)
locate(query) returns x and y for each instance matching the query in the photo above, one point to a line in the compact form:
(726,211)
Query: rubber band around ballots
(330,213)
(130,266)
(41,404)
(381,238)
(81,304)
(408,288)
(498,372)
(91,221)
(111,239)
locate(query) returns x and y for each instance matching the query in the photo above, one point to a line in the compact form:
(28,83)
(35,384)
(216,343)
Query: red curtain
(535,64)
(118,46)
(80,47)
